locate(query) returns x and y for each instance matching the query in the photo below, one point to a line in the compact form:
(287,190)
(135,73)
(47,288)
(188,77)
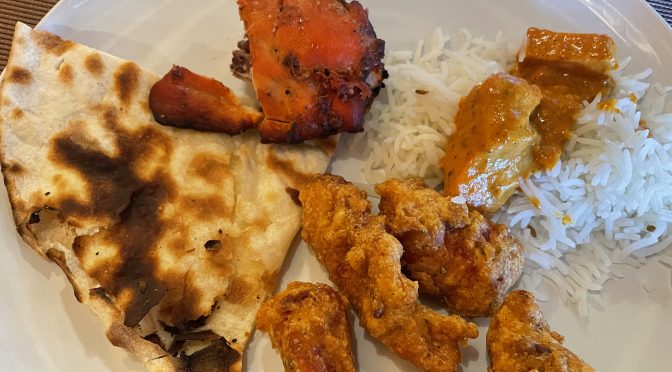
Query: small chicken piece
(520,340)
(308,323)
(460,256)
(492,143)
(316,66)
(593,52)
(363,261)
(184,99)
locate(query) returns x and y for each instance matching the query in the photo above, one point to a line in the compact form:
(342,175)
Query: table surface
(31,11)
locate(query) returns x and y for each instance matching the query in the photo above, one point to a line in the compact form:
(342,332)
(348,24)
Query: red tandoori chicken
(363,260)
(316,66)
(308,323)
(456,254)
(520,340)
(187,100)
(509,127)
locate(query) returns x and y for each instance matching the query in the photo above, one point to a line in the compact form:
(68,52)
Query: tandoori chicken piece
(316,66)
(520,340)
(569,69)
(308,323)
(363,261)
(492,143)
(460,256)
(187,100)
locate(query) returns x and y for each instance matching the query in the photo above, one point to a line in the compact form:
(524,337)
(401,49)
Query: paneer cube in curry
(510,126)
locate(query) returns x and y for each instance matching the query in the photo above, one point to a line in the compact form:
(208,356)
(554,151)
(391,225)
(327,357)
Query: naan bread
(173,237)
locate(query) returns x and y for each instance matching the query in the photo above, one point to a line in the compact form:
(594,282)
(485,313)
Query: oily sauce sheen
(511,125)
(569,68)
(563,88)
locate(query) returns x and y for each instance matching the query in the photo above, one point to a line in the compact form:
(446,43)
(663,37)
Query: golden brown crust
(308,323)
(363,261)
(460,256)
(520,340)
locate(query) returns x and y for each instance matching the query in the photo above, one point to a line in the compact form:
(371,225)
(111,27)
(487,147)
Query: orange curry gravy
(567,69)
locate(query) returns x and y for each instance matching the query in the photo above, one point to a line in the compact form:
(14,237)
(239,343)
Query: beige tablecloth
(31,11)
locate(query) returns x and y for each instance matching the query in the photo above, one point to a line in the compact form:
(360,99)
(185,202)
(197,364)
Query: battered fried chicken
(466,259)
(363,261)
(184,99)
(308,323)
(519,339)
(316,66)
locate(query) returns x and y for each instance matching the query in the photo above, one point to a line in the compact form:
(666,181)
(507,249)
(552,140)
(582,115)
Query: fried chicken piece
(460,256)
(316,66)
(184,99)
(492,144)
(308,323)
(519,339)
(363,261)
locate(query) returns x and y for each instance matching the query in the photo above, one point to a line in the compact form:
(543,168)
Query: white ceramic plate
(45,329)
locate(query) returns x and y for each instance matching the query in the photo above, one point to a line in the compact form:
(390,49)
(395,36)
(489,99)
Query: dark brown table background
(31,11)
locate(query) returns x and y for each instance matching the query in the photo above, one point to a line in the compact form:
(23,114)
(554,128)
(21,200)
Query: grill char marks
(110,180)
(126,80)
(215,358)
(53,44)
(19,75)
(131,207)
(94,64)
(134,281)
(316,66)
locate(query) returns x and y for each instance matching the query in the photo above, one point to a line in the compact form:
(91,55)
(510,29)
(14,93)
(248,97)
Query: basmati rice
(607,202)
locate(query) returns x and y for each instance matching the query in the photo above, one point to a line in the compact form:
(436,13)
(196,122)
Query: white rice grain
(612,188)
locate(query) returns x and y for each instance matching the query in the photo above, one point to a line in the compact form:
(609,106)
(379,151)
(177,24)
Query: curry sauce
(493,144)
(569,69)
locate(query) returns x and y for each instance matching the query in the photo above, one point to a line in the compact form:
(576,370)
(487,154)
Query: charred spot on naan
(94,64)
(66,74)
(19,75)
(217,357)
(110,180)
(132,275)
(240,290)
(288,169)
(51,43)
(205,208)
(14,168)
(211,167)
(126,81)
(16,114)
(99,293)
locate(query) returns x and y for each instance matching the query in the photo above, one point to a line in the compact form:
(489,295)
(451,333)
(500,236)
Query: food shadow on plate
(94,343)
(350,149)
(144,54)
